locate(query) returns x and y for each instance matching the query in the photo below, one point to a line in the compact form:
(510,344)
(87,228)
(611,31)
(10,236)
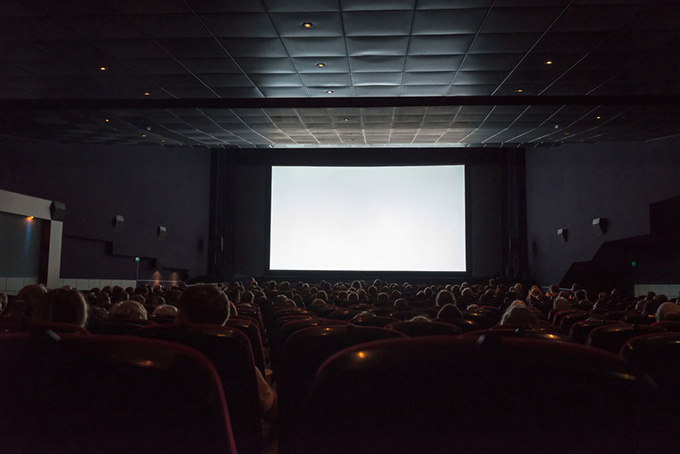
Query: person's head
(128,310)
(449,312)
(400,304)
(247,297)
(32,296)
(63,306)
(3,301)
(166,311)
(204,303)
(445,297)
(561,304)
(519,315)
(667,311)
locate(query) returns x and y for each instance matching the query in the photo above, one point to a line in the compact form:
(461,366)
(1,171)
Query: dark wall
(147,185)
(250,188)
(571,185)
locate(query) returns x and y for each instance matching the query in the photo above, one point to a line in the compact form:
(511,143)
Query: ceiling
(248,73)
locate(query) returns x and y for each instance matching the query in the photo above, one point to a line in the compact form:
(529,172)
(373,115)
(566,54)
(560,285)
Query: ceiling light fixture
(598,117)
(146,93)
(143,135)
(103,68)
(330,92)
(107,120)
(519,90)
(321,65)
(548,62)
(345,120)
(307,25)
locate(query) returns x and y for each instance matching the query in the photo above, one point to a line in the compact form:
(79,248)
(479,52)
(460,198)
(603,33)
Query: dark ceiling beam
(358,102)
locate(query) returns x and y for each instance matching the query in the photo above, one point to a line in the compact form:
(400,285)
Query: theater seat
(517,332)
(230,352)
(659,355)
(120,327)
(668,325)
(612,337)
(580,331)
(417,329)
(379,322)
(303,353)
(638,319)
(446,394)
(108,394)
(251,329)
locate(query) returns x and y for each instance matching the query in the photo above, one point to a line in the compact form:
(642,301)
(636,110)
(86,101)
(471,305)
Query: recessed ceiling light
(598,117)
(103,68)
(107,120)
(345,119)
(146,93)
(519,90)
(321,65)
(330,92)
(162,140)
(548,62)
(307,25)
(143,135)
(566,133)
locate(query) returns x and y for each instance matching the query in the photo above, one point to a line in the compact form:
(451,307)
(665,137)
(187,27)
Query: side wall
(149,186)
(571,185)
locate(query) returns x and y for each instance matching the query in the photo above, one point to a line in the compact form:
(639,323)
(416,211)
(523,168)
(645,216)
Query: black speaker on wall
(563,235)
(161,232)
(118,222)
(600,226)
(58,211)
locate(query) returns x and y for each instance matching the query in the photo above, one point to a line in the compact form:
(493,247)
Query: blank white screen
(409,218)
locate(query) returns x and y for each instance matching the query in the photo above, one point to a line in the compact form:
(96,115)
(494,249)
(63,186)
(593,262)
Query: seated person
(668,311)
(128,311)
(62,306)
(204,303)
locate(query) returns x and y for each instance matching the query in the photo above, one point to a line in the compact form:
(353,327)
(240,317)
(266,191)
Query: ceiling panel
(369,53)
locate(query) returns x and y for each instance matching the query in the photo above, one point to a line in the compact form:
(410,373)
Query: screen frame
(352,159)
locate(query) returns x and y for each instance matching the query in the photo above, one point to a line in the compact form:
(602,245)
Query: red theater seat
(612,337)
(230,352)
(303,353)
(446,394)
(109,394)
(417,329)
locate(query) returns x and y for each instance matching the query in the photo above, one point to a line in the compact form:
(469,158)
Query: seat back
(251,329)
(448,394)
(303,353)
(417,329)
(71,393)
(380,322)
(659,355)
(230,352)
(580,331)
(638,319)
(570,319)
(517,332)
(612,337)
(120,327)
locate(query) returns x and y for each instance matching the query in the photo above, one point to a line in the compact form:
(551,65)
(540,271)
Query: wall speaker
(600,226)
(161,232)
(563,235)
(58,211)
(118,222)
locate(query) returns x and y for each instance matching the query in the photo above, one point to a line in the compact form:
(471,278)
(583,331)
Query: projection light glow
(405,218)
